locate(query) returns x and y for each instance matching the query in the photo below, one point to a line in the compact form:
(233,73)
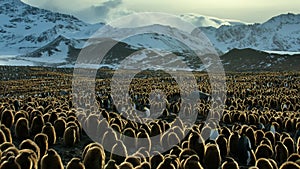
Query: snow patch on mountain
(158,37)
(282,52)
(59,55)
(208,21)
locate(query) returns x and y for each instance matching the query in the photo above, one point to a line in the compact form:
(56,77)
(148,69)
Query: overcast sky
(104,10)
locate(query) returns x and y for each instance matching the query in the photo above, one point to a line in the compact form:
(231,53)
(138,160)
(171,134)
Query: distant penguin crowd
(258,128)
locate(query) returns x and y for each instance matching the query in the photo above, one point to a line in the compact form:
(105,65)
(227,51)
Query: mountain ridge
(280,33)
(25,28)
(41,36)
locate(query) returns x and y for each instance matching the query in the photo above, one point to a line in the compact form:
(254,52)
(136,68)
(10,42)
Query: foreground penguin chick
(75,163)
(27,159)
(192,163)
(60,127)
(41,140)
(51,160)
(281,153)
(6,132)
(2,137)
(118,152)
(212,158)
(22,129)
(36,125)
(7,118)
(94,157)
(244,148)
(233,144)
(289,165)
(10,164)
(49,130)
(222,143)
(230,163)
(29,144)
(166,163)
(70,136)
(264,163)
(111,164)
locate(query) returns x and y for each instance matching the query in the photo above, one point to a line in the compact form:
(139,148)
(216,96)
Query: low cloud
(90,10)
(103,13)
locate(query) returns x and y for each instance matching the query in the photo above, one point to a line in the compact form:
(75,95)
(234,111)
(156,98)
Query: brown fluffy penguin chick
(273,162)
(289,165)
(109,139)
(253,167)
(281,153)
(22,129)
(51,160)
(78,129)
(118,152)
(10,164)
(222,143)
(244,150)
(5,157)
(233,144)
(263,163)
(60,127)
(196,143)
(75,163)
(49,130)
(94,157)
(7,118)
(230,163)
(263,151)
(192,163)
(146,143)
(10,151)
(29,144)
(294,157)
(133,160)
(111,164)
(6,132)
(36,125)
(144,165)
(156,159)
(87,147)
(270,136)
(166,163)
(20,114)
(212,158)
(290,144)
(5,146)
(70,136)
(250,133)
(186,153)
(41,140)
(128,135)
(259,135)
(126,165)
(2,137)
(27,159)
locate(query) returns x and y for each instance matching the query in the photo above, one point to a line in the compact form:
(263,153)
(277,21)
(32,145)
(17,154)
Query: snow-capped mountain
(42,37)
(25,28)
(280,33)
